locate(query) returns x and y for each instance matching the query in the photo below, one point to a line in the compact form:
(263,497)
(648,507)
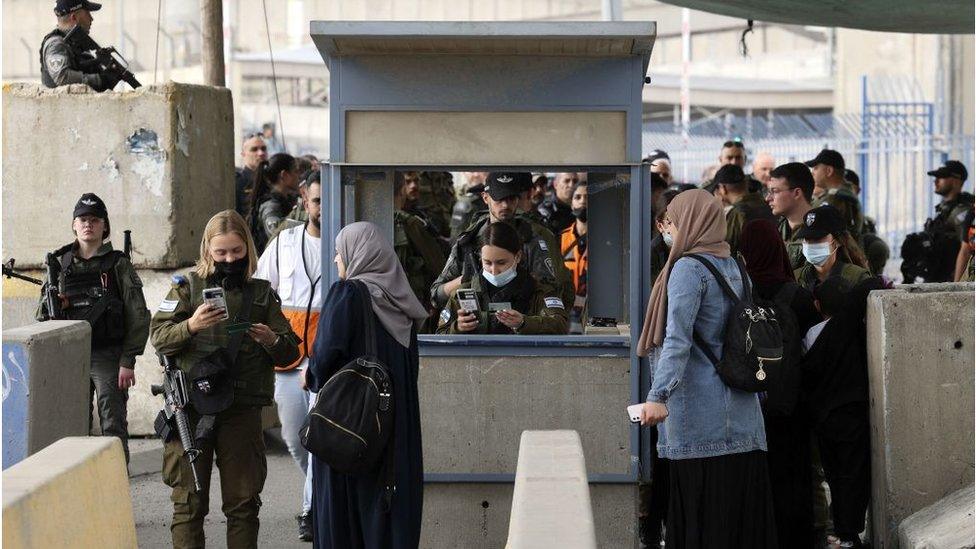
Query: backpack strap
(727,289)
(368,319)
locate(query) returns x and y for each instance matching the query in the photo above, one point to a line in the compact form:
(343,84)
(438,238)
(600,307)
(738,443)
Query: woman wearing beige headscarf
(713,434)
(349,511)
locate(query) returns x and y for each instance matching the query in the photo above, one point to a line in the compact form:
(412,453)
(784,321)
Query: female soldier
(198,337)
(509,300)
(274,195)
(829,250)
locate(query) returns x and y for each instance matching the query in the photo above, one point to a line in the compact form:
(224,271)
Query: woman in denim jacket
(713,434)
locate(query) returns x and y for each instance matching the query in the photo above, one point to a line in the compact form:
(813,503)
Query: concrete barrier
(74,493)
(551,504)
(946,524)
(474,410)
(920,368)
(45,385)
(161,157)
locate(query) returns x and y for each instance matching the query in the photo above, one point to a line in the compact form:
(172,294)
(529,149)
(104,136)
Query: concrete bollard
(551,504)
(45,385)
(74,493)
(920,369)
(946,524)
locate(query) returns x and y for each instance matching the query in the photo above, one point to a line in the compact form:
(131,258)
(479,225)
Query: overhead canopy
(573,39)
(912,16)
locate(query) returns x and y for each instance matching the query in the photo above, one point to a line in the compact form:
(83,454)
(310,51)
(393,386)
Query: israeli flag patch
(445,316)
(554,303)
(168,306)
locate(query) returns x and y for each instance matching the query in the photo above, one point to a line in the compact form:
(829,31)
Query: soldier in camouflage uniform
(831,188)
(470,206)
(60,63)
(732,187)
(93,277)
(193,333)
(790,191)
(947,231)
(541,256)
(437,200)
(416,246)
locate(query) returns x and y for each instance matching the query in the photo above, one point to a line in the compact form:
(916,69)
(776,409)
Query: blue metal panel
(16,416)
(521,346)
(642,219)
(508,478)
(487,83)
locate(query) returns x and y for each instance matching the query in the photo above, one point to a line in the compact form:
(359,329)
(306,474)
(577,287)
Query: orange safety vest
(575,263)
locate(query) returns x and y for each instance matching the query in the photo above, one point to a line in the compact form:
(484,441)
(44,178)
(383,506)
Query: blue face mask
(668,240)
(501,279)
(817,254)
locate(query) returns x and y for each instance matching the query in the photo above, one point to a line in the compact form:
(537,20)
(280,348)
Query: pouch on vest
(212,378)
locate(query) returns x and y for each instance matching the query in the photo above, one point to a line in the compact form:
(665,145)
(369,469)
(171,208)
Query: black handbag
(350,426)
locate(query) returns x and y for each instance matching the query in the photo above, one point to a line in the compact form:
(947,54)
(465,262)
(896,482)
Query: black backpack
(783,382)
(350,426)
(753,339)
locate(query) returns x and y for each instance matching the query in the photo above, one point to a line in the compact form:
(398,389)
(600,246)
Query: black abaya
(721,502)
(348,512)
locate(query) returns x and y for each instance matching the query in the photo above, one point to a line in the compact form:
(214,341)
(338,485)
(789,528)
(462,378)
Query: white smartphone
(216,299)
(634,411)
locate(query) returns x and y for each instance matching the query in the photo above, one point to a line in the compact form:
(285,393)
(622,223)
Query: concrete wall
(161,158)
(472,515)
(473,411)
(920,367)
(45,386)
(946,524)
(74,493)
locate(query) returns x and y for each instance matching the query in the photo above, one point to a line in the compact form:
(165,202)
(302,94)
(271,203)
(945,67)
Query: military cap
(821,221)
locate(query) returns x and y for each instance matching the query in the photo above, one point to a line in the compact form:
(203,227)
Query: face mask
(501,279)
(668,240)
(231,268)
(817,254)
(580,214)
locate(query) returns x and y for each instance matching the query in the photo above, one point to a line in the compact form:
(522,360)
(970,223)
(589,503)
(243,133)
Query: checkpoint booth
(526,96)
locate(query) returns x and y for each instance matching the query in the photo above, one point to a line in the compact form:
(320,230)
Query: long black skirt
(721,502)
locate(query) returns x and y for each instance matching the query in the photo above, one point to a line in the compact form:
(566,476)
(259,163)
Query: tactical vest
(74,59)
(90,290)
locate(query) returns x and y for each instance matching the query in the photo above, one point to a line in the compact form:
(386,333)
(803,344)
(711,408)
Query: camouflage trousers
(238,444)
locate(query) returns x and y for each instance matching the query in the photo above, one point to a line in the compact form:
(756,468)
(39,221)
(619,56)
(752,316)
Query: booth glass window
(559,266)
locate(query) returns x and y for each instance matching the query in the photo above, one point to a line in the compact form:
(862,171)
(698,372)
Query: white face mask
(501,279)
(668,240)
(817,254)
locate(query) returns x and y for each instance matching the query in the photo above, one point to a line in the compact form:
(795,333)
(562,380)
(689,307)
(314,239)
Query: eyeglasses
(774,192)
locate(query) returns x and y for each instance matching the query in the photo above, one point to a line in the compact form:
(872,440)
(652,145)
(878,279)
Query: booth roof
(577,39)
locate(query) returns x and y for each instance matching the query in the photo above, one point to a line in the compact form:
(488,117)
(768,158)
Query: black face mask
(232,272)
(580,214)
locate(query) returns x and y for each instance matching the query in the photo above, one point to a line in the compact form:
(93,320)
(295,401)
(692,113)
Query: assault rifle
(106,60)
(9,272)
(175,400)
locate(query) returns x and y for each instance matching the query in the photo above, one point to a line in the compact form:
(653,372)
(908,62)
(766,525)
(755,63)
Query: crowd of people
(506,253)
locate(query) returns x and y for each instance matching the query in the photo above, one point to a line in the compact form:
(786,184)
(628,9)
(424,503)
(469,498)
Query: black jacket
(835,369)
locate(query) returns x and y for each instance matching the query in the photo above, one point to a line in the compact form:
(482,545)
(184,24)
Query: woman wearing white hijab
(348,511)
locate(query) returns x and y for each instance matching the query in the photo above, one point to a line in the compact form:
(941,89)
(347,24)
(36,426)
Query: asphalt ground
(282,499)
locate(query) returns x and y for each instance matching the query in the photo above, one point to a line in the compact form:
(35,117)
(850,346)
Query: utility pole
(212,42)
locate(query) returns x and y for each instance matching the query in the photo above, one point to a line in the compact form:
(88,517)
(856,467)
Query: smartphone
(468,299)
(634,411)
(215,298)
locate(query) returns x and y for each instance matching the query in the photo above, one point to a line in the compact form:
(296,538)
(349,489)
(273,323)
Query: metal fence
(895,190)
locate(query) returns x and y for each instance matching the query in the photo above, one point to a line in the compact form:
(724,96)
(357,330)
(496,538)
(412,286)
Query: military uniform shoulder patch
(543,245)
(554,303)
(167,305)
